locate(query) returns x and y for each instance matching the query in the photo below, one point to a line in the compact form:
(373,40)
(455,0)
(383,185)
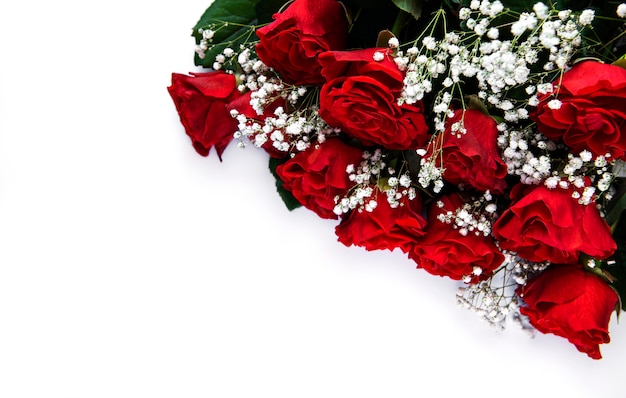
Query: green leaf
(290,201)
(383,38)
(232,21)
(413,7)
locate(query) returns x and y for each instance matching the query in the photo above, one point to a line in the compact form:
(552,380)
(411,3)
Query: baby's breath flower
(586,17)
(493,33)
(554,104)
(541,10)
(429,42)
(464,13)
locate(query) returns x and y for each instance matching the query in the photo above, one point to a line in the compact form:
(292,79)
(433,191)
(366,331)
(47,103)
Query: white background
(130,266)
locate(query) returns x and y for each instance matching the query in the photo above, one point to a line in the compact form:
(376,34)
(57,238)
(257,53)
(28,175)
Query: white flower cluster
(475,216)
(227,55)
(495,299)
(587,176)
(498,66)
(517,152)
(370,175)
(205,42)
(286,131)
(429,173)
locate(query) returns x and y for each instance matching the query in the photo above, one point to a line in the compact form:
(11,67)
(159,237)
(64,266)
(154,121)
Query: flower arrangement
(484,139)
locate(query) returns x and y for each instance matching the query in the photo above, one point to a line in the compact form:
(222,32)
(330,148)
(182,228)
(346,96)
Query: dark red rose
(569,302)
(384,228)
(472,158)
(293,41)
(592,115)
(444,251)
(360,96)
(203,102)
(318,174)
(549,225)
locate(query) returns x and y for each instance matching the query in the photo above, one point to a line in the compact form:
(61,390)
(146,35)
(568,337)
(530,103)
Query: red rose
(384,228)
(566,301)
(471,157)
(292,42)
(592,115)
(318,174)
(444,251)
(203,102)
(549,225)
(360,96)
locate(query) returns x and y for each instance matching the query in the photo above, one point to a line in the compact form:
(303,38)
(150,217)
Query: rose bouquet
(484,139)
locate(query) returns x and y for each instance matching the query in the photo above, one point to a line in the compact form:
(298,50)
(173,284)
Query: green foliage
(231,20)
(413,7)
(290,201)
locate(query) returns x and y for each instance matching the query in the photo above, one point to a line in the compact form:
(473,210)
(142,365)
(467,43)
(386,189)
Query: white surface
(132,267)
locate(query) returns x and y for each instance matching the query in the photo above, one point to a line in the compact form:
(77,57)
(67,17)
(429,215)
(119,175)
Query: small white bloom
(552,182)
(545,88)
(405,180)
(378,56)
(621,10)
(393,42)
(586,156)
(554,104)
(493,33)
(586,17)
(541,10)
(208,34)
(496,8)
(563,15)
(464,13)
(429,42)
(371,205)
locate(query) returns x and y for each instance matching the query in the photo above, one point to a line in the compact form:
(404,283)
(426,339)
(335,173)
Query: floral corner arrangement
(484,139)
